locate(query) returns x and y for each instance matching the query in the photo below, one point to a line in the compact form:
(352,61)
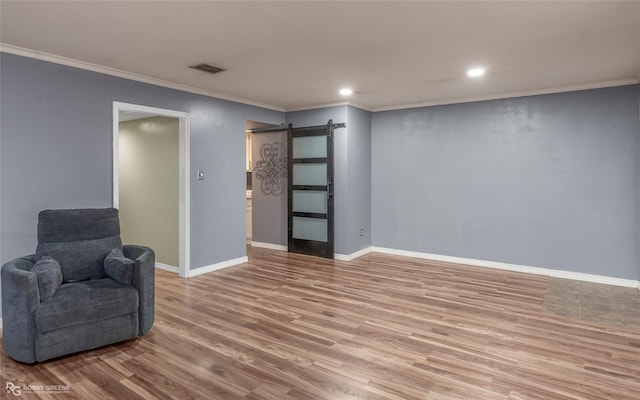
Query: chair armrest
(20,298)
(144,277)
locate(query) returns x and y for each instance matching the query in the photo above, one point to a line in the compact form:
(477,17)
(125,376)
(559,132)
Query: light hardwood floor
(288,326)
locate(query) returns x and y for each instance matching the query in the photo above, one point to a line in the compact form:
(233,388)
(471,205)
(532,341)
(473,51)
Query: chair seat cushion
(85,302)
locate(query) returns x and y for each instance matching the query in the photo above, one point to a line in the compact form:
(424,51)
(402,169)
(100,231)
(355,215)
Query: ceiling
(294,55)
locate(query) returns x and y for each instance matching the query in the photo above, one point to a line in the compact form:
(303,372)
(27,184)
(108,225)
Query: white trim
(184,200)
(327,105)
(39,55)
(341,257)
(166,267)
(0,324)
(349,257)
(184,209)
(217,266)
(150,110)
(270,246)
(508,95)
(497,96)
(513,267)
(116,155)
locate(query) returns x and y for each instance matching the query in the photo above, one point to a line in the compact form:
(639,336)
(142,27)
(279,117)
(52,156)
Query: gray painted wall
(549,181)
(56,127)
(359,186)
(269,211)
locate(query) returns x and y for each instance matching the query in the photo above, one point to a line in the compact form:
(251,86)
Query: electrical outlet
(361,232)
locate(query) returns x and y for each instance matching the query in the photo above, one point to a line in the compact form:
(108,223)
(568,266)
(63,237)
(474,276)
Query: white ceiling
(292,55)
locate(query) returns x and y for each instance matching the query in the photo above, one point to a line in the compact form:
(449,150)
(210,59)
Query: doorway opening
(151,181)
(266,199)
(292,182)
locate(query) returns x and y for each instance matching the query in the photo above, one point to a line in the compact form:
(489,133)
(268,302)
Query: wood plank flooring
(381,327)
(588,301)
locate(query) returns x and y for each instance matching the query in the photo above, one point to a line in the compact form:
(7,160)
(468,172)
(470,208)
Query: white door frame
(184,203)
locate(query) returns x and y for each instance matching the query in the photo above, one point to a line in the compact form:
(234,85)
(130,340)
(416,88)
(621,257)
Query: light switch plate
(200,175)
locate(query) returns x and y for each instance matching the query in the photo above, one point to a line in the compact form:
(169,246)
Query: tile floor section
(595,302)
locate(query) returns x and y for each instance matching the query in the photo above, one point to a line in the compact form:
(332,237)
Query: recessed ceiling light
(475,72)
(346,91)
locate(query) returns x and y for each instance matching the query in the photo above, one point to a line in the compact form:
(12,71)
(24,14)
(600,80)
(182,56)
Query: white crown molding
(328,105)
(498,96)
(513,267)
(70,62)
(7,48)
(271,246)
(507,95)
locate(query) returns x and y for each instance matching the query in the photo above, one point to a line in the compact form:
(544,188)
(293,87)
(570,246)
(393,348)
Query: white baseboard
(349,257)
(217,266)
(341,257)
(514,267)
(166,267)
(270,246)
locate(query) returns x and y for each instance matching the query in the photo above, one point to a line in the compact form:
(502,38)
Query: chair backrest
(79,239)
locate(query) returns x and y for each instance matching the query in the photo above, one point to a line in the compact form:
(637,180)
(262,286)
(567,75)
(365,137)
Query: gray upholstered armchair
(81,290)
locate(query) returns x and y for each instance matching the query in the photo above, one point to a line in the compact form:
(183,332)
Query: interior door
(310,175)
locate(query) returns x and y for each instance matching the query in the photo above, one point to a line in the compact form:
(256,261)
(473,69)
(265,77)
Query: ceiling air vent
(207,68)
